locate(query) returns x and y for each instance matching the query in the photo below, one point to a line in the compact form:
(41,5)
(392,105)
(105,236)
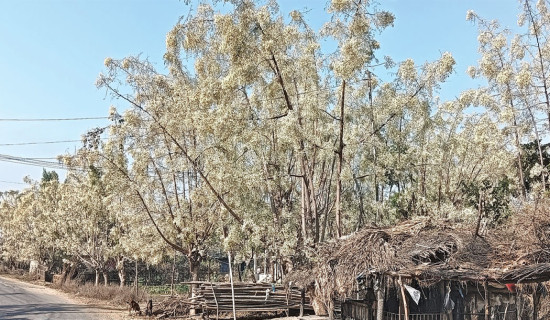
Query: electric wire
(32,162)
(37,142)
(52,119)
(12,182)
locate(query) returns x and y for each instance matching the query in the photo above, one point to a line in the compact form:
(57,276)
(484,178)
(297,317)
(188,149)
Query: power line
(54,119)
(38,142)
(32,162)
(12,182)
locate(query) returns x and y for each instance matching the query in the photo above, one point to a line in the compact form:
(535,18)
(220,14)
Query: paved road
(20,301)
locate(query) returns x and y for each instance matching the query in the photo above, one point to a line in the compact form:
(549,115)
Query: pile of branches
(175,306)
(531,226)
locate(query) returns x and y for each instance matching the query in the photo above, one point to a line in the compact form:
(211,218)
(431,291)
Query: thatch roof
(431,250)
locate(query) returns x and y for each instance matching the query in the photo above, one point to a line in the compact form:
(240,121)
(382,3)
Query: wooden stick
(215,299)
(302,302)
(232,289)
(487,302)
(405,306)
(536,298)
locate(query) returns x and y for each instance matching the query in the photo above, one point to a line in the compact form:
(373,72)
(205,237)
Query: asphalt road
(19,300)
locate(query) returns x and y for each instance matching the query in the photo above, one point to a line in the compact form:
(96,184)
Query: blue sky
(51,52)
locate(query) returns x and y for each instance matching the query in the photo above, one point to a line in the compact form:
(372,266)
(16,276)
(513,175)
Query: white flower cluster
(296,15)
(536,170)
(507,115)
(521,19)
(470,15)
(488,67)
(445,65)
(384,19)
(471,71)
(541,6)
(504,76)
(499,41)
(407,70)
(484,37)
(523,78)
(341,5)
(126,63)
(171,40)
(359,25)
(517,49)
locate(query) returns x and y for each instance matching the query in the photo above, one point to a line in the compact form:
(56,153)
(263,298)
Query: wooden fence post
(404,298)
(380,300)
(302,301)
(536,299)
(232,288)
(136,278)
(487,301)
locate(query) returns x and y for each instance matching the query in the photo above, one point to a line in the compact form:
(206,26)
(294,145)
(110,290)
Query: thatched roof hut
(428,252)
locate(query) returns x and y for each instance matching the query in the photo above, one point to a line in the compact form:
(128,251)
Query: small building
(432,270)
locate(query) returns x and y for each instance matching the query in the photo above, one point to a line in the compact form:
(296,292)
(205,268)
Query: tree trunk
(71,272)
(96,278)
(359,193)
(105,278)
(255,266)
(122,276)
(340,164)
(121,271)
(521,174)
(173,274)
(540,56)
(64,273)
(136,278)
(539,148)
(304,213)
(194,265)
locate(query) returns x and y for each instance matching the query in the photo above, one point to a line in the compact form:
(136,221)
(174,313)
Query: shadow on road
(62,311)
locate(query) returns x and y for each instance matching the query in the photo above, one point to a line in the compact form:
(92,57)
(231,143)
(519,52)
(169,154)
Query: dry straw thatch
(431,250)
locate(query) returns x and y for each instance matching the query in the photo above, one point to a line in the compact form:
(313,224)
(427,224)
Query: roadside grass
(113,294)
(19,274)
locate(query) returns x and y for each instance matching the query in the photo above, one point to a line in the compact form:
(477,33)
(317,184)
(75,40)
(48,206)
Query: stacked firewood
(249,297)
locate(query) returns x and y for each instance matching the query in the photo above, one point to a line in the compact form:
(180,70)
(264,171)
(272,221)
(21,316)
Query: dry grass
(114,294)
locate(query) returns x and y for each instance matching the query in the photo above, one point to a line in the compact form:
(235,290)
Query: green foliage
(401,204)
(48,176)
(532,167)
(494,198)
(180,289)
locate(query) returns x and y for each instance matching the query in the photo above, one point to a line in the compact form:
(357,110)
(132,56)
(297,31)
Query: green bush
(165,289)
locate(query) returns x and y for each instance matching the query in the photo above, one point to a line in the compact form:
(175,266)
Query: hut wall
(467,303)
(431,300)
(502,304)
